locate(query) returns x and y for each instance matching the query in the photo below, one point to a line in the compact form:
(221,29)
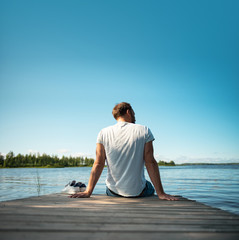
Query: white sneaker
(70,189)
(73,187)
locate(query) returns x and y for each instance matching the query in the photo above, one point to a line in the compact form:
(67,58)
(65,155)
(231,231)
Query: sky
(65,64)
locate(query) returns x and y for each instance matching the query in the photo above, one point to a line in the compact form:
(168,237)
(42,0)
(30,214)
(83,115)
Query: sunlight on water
(217,186)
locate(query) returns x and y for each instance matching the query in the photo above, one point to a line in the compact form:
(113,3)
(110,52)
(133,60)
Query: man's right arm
(96,171)
(153,170)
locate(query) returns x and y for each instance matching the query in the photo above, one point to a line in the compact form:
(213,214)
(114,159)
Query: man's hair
(120,109)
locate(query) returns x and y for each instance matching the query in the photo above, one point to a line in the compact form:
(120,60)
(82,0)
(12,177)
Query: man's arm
(95,172)
(153,170)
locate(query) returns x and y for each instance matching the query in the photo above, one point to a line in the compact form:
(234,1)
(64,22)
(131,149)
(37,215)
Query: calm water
(217,186)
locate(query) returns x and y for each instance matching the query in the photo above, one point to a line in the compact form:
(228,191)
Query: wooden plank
(13,219)
(103,214)
(120,226)
(114,235)
(112,227)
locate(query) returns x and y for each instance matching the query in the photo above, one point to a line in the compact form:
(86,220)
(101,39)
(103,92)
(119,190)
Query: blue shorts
(148,191)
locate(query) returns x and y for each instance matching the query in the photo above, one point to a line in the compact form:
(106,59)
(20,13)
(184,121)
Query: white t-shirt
(124,147)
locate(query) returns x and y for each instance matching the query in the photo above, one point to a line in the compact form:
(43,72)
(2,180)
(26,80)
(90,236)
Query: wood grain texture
(56,216)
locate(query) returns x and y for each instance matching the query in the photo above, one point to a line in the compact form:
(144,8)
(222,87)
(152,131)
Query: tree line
(44,160)
(162,163)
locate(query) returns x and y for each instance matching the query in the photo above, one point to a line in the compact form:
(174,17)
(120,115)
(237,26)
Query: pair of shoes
(73,187)
(81,185)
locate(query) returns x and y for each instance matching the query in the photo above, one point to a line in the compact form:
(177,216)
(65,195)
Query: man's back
(124,148)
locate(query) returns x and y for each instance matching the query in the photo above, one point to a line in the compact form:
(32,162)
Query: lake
(213,185)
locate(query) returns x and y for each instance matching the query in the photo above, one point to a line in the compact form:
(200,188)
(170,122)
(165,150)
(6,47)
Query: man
(126,147)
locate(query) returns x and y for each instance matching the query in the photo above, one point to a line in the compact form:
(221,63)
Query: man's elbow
(99,164)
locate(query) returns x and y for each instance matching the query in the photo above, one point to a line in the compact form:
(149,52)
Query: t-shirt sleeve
(149,136)
(99,138)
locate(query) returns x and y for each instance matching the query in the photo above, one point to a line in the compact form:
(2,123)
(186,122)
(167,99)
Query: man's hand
(168,197)
(80,195)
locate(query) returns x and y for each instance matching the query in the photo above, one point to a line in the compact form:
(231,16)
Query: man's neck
(120,119)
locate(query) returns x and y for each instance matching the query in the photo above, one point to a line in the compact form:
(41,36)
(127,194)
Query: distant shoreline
(176,165)
(190,164)
(46,161)
(173,164)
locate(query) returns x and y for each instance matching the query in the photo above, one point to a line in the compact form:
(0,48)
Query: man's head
(124,111)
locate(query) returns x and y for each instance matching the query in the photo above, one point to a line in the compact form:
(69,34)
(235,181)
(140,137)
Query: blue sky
(65,64)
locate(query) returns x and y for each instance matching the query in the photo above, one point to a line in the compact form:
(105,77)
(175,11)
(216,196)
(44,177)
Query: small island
(163,163)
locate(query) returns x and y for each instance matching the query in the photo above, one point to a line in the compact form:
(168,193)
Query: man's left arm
(153,171)
(96,171)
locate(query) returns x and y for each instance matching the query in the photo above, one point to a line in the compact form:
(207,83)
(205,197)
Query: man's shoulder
(124,124)
(138,126)
(108,128)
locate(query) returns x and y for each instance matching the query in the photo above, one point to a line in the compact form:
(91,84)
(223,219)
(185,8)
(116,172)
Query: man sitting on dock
(126,147)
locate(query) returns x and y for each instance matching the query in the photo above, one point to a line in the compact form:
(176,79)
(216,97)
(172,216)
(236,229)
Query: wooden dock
(58,217)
